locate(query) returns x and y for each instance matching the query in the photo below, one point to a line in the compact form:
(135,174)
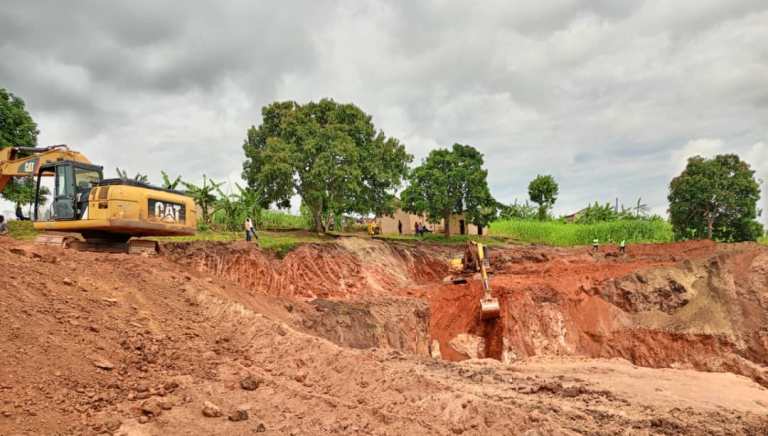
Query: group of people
(596,246)
(250,230)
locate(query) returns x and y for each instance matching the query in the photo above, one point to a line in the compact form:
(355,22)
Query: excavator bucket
(489,307)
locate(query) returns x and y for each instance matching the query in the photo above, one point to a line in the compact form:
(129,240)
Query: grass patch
(559,233)
(22,230)
(279,242)
(763,240)
(440,239)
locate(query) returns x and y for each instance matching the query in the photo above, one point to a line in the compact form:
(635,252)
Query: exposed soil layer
(693,304)
(335,339)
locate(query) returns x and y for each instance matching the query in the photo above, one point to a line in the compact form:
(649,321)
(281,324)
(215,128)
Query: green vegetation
(231,220)
(524,211)
(21,192)
(329,154)
(279,242)
(559,233)
(17,128)
(204,196)
(543,191)
(168,183)
(272,219)
(22,230)
(138,178)
(450,182)
(597,213)
(443,240)
(715,198)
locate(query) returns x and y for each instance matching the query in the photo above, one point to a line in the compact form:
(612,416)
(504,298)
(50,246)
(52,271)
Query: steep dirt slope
(694,305)
(116,344)
(691,305)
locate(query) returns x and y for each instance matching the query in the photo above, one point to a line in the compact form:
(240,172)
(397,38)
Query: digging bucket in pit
(489,307)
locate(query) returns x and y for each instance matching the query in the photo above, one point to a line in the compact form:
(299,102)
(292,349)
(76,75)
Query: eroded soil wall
(694,304)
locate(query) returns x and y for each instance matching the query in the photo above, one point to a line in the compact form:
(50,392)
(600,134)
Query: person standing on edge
(248,229)
(595,245)
(3,226)
(623,246)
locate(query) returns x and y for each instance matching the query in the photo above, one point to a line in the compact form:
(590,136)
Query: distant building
(574,216)
(404,223)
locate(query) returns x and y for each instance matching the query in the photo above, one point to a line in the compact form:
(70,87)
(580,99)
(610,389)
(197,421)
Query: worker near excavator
(19,214)
(3,226)
(249,231)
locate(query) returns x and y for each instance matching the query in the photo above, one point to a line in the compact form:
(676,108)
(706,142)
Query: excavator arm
(25,161)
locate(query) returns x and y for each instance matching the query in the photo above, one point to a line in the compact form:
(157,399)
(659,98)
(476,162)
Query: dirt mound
(212,339)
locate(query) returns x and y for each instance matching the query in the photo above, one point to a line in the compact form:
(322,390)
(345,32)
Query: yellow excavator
(106,213)
(476,261)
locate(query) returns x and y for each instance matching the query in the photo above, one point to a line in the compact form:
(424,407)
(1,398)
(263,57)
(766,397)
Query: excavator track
(132,246)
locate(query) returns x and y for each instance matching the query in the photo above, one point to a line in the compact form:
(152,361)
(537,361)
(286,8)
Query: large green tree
(17,128)
(716,198)
(451,182)
(16,125)
(543,191)
(328,153)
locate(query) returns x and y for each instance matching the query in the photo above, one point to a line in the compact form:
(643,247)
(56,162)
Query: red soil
(116,344)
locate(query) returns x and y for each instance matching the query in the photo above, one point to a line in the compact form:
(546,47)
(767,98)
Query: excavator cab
(72,188)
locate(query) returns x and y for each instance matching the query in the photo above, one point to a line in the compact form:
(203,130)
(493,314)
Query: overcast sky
(608,96)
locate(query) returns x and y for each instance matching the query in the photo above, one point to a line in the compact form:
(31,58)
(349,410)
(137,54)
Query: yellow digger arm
(25,161)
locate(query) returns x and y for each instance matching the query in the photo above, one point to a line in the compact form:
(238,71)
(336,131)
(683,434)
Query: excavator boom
(25,161)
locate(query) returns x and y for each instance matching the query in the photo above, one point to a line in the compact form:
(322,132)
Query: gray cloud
(607,96)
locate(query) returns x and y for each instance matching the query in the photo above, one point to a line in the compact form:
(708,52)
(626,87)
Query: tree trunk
(710,225)
(447,224)
(317,216)
(542,212)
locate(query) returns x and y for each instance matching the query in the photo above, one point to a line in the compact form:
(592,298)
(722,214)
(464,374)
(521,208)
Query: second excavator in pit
(107,213)
(476,261)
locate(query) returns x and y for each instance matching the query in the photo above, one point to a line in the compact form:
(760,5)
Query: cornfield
(272,219)
(559,233)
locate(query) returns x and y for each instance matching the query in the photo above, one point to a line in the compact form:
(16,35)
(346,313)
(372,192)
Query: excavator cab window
(73,183)
(64,193)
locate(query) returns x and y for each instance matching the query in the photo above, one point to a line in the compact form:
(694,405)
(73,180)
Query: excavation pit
(660,305)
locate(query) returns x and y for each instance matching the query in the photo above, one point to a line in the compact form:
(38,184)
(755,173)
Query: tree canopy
(17,128)
(716,198)
(328,153)
(16,125)
(543,191)
(451,182)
